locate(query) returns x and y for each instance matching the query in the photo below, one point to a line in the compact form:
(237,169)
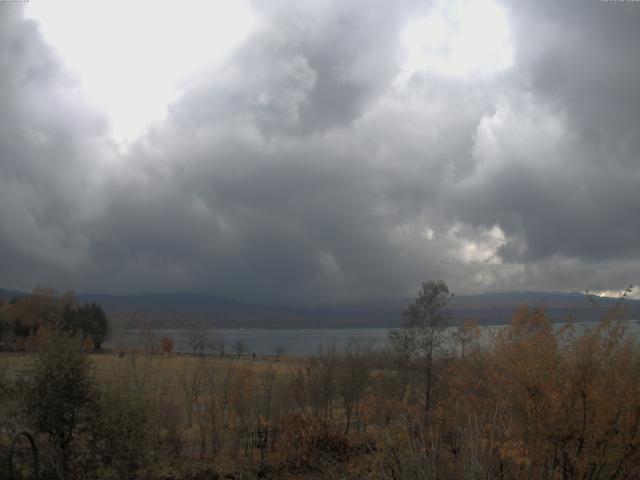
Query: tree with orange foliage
(573,400)
(166,343)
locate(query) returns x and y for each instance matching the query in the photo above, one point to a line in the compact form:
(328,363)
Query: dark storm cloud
(301,171)
(311,66)
(584,59)
(46,141)
(293,221)
(571,185)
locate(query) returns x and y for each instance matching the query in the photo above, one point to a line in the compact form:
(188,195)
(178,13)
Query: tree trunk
(428,376)
(348,408)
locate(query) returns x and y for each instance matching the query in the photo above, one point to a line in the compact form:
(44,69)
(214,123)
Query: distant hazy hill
(178,309)
(491,308)
(9,294)
(168,303)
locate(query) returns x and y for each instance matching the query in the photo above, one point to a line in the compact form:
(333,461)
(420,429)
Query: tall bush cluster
(87,429)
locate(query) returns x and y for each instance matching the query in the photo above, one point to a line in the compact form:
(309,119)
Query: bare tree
(197,338)
(216,343)
(422,331)
(467,336)
(192,382)
(279,350)
(353,378)
(321,381)
(148,340)
(240,347)
(216,405)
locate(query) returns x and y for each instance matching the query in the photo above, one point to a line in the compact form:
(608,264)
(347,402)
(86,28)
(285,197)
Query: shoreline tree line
(25,322)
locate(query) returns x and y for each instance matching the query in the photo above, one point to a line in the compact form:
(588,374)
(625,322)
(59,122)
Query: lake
(259,341)
(294,341)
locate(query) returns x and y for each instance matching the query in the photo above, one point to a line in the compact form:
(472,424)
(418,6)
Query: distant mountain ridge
(9,294)
(179,309)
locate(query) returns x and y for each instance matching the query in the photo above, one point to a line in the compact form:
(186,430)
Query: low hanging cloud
(318,163)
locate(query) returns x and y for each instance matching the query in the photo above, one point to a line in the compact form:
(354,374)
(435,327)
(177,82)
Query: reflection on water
(293,341)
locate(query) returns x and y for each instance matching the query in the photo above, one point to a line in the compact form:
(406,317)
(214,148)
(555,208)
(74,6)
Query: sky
(309,152)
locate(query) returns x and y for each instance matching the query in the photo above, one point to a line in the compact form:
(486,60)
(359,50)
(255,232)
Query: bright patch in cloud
(460,38)
(483,248)
(131,56)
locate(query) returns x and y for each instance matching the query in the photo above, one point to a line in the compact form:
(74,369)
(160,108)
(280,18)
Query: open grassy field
(150,370)
(12,364)
(200,410)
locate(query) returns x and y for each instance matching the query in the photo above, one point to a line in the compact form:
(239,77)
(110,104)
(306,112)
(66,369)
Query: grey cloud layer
(299,172)
(48,180)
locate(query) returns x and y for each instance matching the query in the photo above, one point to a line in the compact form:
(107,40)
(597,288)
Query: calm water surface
(294,341)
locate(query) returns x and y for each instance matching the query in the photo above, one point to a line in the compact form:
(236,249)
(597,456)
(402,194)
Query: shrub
(166,343)
(58,396)
(311,444)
